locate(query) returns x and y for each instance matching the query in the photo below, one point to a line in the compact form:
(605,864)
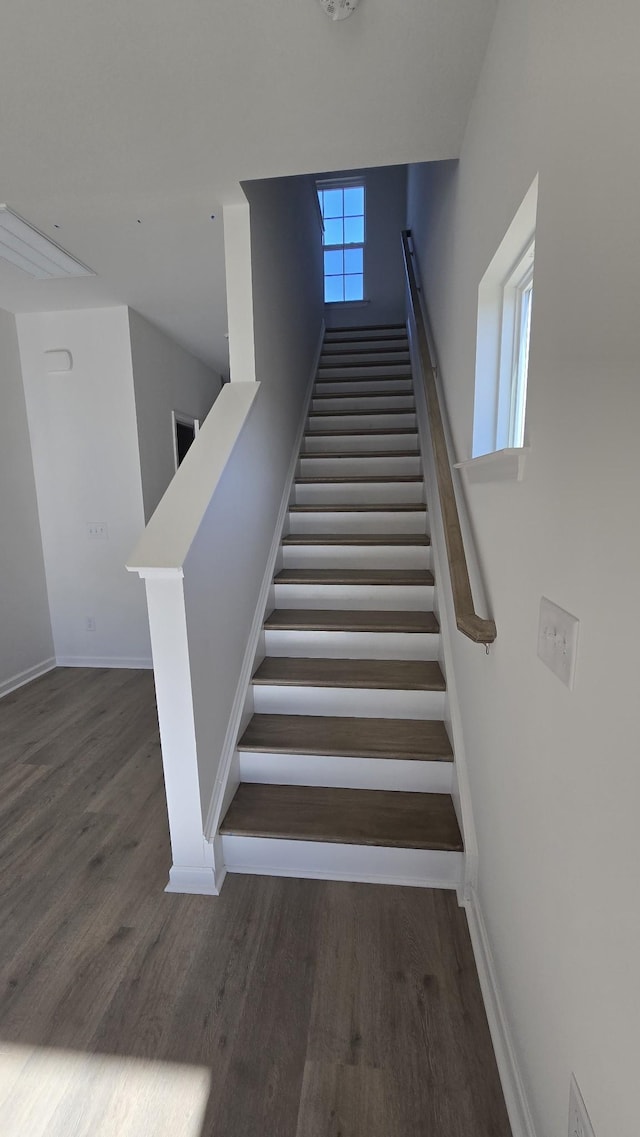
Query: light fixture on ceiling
(339,9)
(35,254)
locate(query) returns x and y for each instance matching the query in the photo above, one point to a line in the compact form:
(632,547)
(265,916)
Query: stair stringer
(228,779)
(461,790)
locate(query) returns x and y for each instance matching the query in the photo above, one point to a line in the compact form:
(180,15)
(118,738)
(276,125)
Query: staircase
(346,767)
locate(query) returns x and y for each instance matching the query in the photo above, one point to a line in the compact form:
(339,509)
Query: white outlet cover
(558,640)
(579,1121)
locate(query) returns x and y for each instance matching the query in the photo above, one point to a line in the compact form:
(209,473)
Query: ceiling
(128,124)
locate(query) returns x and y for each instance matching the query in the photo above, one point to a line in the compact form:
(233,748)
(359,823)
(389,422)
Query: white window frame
(505,298)
(346,183)
(517,295)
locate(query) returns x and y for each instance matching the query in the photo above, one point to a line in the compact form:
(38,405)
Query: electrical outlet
(579,1123)
(97,530)
(90,624)
(558,640)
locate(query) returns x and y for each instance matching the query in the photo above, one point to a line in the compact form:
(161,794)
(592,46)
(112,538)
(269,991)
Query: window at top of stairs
(343,214)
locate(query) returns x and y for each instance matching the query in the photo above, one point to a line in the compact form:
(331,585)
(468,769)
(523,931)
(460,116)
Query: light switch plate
(558,640)
(97,530)
(579,1122)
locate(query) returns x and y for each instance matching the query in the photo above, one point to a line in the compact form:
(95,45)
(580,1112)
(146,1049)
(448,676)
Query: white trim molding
(515,1097)
(136,663)
(27,676)
(505,465)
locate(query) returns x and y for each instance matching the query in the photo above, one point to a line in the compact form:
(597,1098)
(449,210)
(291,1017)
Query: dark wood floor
(311,1009)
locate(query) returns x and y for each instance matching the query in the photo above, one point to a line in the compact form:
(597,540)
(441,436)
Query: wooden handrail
(467,620)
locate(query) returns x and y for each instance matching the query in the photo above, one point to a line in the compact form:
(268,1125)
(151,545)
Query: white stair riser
(361,403)
(359,493)
(357,556)
(366,442)
(358,421)
(345,702)
(356,597)
(326,861)
(361,344)
(363,387)
(383,522)
(317,467)
(352,645)
(346,773)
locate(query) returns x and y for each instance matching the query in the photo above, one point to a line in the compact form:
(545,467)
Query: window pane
(354,231)
(333,203)
(333,289)
(354,202)
(353,260)
(321,200)
(333,234)
(353,288)
(333,263)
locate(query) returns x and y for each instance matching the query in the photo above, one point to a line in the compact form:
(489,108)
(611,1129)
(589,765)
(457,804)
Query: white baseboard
(134,662)
(233,727)
(194,881)
(23,677)
(510,1077)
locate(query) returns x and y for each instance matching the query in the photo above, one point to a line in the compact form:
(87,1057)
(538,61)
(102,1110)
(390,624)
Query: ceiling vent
(26,248)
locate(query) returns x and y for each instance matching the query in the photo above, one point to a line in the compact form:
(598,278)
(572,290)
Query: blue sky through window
(343,214)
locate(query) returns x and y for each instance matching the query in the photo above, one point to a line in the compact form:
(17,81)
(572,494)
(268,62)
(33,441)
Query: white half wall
(226,563)
(166,378)
(386,206)
(87,471)
(554,773)
(26,644)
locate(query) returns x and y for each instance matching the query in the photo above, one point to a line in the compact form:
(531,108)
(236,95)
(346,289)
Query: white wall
(555,774)
(87,469)
(226,564)
(25,628)
(166,378)
(386,206)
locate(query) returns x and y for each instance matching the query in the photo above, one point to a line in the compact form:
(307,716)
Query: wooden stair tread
(351,431)
(381,479)
(351,620)
(338,348)
(372,674)
(340,507)
(375,412)
(353,817)
(364,379)
(371,577)
(349,363)
(400,539)
(360,454)
(362,395)
(412,740)
(366,328)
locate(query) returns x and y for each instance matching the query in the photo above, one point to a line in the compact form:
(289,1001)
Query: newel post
(193,868)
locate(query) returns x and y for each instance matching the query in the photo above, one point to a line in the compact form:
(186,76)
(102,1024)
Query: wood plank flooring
(283,1008)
